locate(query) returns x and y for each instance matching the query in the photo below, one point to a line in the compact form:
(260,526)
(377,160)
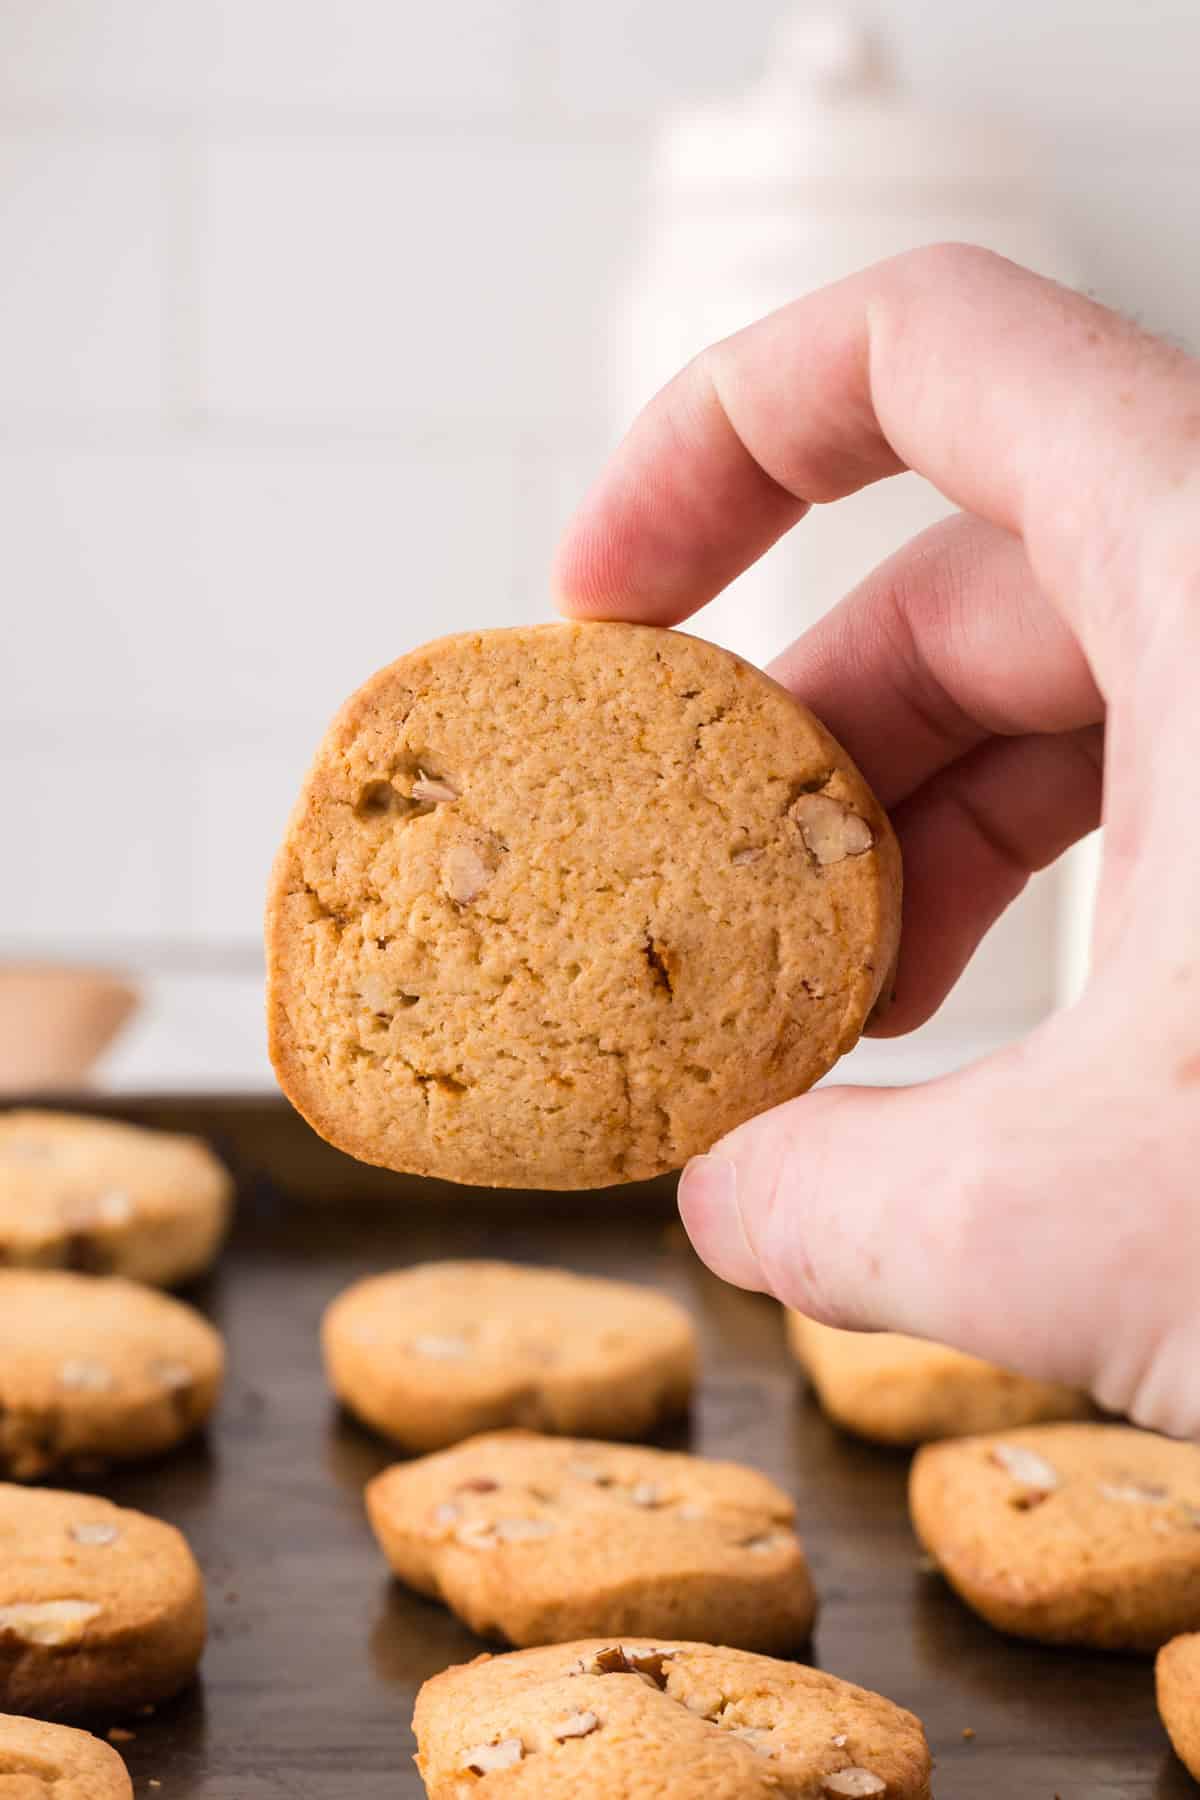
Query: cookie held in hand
(561,905)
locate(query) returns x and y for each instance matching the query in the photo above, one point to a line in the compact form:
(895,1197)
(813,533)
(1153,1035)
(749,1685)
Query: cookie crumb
(117,1734)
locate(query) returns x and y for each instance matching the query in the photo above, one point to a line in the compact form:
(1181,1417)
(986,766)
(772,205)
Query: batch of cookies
(651,1594)
(557,908)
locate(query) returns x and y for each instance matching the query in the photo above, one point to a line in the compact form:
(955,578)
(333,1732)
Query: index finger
(1021,401)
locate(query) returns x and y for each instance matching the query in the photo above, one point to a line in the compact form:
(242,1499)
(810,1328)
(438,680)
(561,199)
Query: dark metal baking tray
(315,1655)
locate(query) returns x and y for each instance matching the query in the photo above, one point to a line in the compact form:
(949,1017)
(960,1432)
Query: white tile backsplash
(82,234)
(417,283)
(306,344)
(78,53)
(193,589)
(369,55)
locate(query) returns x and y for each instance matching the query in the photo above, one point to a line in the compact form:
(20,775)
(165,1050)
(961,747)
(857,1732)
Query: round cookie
(94,1369)
(1177,1679)
(109,1199)
(435,1353)
(539,1540)
(1070,1534)
(54,1762)
(905,1391)
(562,904)
(675,1720)
(101,1608)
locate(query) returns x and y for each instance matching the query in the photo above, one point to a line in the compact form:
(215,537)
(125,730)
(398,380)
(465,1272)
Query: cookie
(101,1608)
(560,905)
(669,1720)
(539,1540)
(110,1199)
(1071,1534)
(903,1390)
(433,1354)
(94,1369)
(53,1762)
(1177,1679)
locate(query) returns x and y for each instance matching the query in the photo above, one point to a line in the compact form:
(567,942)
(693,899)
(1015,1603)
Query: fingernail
(712,1218)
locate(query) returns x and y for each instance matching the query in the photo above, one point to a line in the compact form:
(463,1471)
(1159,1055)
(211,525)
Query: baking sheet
(315,1654)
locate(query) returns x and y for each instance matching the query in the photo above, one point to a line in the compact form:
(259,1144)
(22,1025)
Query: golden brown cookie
(1072,1534)
(94,1369)
(904,1390)
(101,1608)
(560,905)
(54,1762)
(539,1540)
(110,1199)
(1177,1679)
(654,1720)
(435,1353)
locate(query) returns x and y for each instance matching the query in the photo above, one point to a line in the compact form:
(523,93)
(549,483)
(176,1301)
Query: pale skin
(1001,681)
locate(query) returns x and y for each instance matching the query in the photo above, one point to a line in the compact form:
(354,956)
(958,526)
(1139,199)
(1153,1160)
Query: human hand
(1041,1208)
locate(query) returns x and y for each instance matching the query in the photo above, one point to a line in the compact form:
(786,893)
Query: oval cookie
(1177,1680)
(560,905)
(101,1608)
(1071,1534)
(677,1720)
(55,1762)
(905,1390)
(107,1198)
(539,1540)
(436,1353)
(94,1369)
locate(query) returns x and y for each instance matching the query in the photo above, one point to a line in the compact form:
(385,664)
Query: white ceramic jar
(821,169)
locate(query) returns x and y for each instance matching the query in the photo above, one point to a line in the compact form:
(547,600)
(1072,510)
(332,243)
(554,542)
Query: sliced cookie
(904,1391)
(55,1762)
(560,905)
(1177,1679)
(110,1199)
(539,1540)
(673,1720)
(94,1369)
(433,1354)
(101,1608)
(1071,1534)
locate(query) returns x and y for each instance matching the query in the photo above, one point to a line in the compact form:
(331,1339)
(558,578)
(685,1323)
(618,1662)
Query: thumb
(897,1209)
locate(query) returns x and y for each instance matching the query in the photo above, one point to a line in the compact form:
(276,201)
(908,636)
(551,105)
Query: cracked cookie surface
(95,1369)
(101,1608)
(664,1720)
(905,1390)
(562,904)
(1070,1534)
(107,1198)
(539,1540)
(435,1353)
(1177,1682)
(55,1762)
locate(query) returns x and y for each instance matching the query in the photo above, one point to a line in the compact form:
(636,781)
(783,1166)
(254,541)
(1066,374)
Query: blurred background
(315,321)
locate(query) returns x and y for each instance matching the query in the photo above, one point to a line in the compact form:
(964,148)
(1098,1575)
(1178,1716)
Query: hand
(1041,1208)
